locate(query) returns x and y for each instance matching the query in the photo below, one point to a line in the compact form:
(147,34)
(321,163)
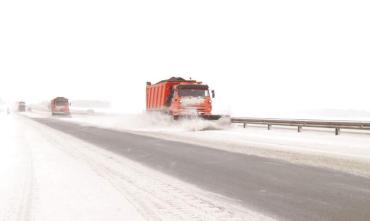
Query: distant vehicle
(180,98)
(60,106)
(20,106)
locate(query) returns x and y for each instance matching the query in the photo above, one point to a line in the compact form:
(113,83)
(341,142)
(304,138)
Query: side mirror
(213,93)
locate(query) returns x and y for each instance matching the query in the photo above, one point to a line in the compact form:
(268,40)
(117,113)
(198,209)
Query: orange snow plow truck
(180,98)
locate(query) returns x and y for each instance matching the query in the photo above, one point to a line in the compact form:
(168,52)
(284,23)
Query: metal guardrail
(300,123)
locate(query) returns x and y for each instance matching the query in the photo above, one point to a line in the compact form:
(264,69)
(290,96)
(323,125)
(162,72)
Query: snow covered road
(48,175)
(279,189)
(349,152)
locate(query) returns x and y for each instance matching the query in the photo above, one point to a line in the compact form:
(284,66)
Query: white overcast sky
(257,55)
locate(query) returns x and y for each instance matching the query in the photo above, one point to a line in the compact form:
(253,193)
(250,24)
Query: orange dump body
(59,106)
(179,97)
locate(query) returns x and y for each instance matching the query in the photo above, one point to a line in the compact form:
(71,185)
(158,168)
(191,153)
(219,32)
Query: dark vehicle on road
(21,106)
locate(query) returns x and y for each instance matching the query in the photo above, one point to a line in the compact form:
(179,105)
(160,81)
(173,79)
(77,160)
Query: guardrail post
(244,125)
(268,126)
(337,131)
(299,129)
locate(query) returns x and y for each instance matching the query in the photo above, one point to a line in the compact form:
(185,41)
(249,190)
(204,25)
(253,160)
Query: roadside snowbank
(14,172)
(41,182)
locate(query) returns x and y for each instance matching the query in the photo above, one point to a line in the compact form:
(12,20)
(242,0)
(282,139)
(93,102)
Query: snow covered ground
(49,175)
(349,152)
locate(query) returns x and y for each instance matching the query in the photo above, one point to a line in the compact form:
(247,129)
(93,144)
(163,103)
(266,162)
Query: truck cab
(191,99)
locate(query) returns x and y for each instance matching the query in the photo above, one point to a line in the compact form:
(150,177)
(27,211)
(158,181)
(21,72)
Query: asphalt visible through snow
(276,188)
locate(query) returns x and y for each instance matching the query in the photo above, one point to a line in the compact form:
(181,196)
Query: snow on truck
(180,98)
(60,106)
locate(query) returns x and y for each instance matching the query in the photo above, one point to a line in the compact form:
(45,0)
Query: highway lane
(276,188)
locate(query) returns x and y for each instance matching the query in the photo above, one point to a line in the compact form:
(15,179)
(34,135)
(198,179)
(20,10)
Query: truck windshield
(61,102)
(193,92)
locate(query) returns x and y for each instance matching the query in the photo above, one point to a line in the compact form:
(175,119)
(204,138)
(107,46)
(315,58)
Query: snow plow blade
(211,117)
(225,118)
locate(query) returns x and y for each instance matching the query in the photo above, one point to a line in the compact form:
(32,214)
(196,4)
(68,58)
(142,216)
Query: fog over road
(275,188)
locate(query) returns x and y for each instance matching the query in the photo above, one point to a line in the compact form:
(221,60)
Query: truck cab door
(170,97)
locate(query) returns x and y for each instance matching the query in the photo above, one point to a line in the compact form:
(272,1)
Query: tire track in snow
(160,201)
(24,213)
